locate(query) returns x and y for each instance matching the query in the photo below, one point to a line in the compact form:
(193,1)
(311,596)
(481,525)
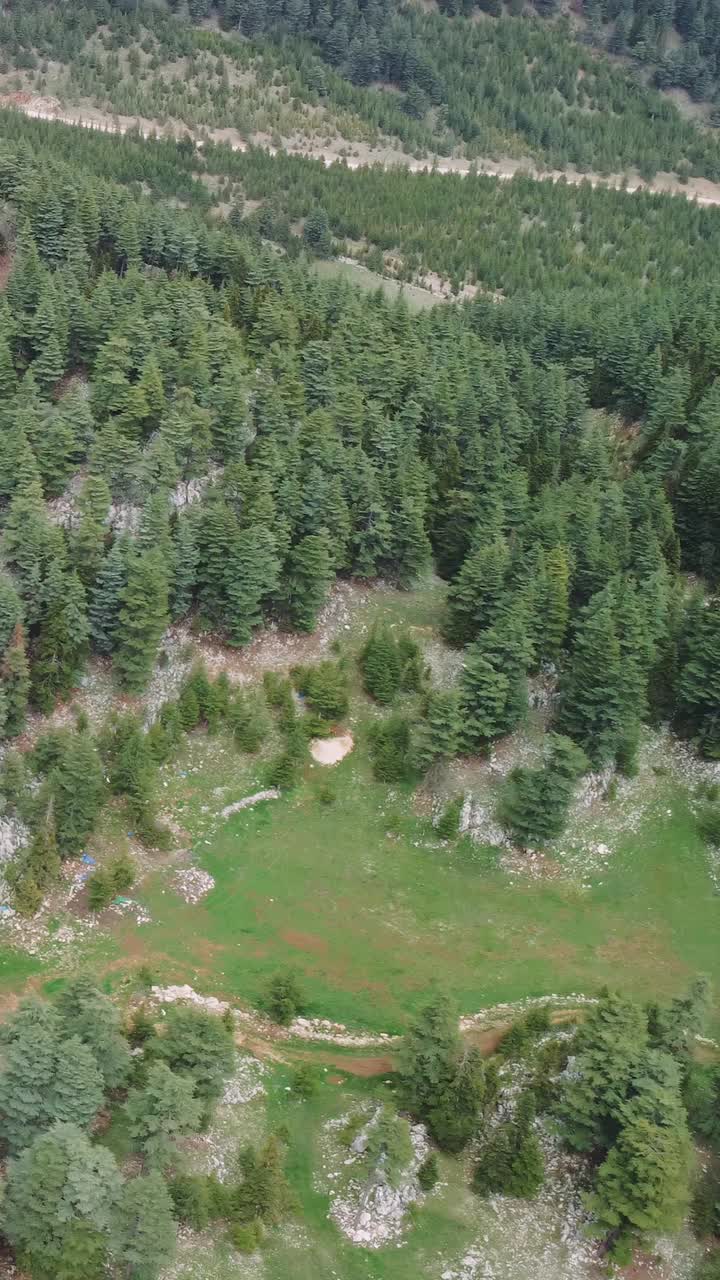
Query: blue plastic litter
(5,909)
(89,862)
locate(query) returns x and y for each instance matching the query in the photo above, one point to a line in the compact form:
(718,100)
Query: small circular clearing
(331,750)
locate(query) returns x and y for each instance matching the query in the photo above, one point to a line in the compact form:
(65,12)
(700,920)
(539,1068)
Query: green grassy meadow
(360,897)
(371,916)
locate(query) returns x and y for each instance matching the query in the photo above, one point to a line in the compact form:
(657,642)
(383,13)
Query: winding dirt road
(701,190)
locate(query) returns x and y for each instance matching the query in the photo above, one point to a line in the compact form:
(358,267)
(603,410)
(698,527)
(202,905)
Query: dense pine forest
(194,424)
(312,604)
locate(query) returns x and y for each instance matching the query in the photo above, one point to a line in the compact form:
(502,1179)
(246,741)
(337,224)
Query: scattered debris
(129,907)
(331,750)
(271,793)
(193,883)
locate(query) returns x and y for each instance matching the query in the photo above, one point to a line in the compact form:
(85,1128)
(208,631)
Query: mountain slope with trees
(430,82)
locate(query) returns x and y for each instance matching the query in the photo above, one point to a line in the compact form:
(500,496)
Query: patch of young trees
(620,1089)
(68,1210)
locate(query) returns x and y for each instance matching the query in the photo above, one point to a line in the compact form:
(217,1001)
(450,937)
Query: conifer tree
(439,1084)
(553,605)
(699,687)
(106,598)
(306,580)
(144,1228)
(483,701)
(643,1185)
(252,576)
(15,683)
(591,710)
(26,1079)
(76,1092)
(142,619)
(77,787)
(381,665)
(59,1203)
(248,722)
(64,633)
(162,1110)
(185,559)
(89,1014)
(198,1045)
(477,594)
(439,731)
(609,1045)
(511,1161)
(535,803)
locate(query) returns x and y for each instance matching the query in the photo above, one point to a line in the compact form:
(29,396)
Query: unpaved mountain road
(701,190)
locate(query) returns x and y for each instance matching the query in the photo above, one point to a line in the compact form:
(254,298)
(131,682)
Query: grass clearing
(362,899)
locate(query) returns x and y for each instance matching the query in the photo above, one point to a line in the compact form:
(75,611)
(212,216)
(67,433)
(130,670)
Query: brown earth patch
(305,941)
(6,263)
(364,1065)
(644,949)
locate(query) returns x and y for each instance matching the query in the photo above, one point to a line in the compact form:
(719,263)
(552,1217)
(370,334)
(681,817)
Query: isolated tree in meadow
(284,998)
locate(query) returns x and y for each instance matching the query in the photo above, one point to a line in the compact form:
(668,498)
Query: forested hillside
(375,653)
(225,433)
(421,80)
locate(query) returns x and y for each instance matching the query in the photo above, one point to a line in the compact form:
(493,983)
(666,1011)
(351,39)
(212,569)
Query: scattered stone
(322,1029)
(171,995)
(193,883)
(370,1213)
(245,1084)
(271,793)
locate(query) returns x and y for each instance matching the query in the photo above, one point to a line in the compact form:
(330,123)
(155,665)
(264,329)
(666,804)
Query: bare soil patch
(329,751)
(305,941)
